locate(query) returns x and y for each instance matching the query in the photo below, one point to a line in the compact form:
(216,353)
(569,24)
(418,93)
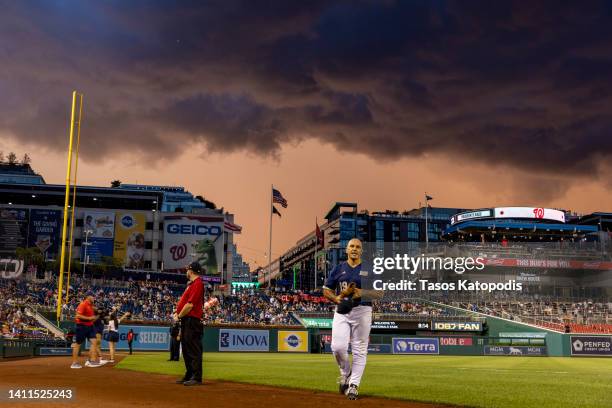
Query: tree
(26,159)
(31,256)
(115,183)
(1,156)
(12,158)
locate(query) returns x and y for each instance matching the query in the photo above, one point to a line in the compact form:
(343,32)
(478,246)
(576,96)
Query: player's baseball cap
(90,293)
(195,267)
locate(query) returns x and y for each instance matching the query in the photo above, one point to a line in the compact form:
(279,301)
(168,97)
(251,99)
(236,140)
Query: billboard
(189,238)
(13,229)
(472,215)
(44,231)
(415,345)
(129,239)
(295,341)
(537,213)
(456,341)
(152,338)
(99,226)
(591,346)
(514,351)
(244,340)
(458,326)
(400,325)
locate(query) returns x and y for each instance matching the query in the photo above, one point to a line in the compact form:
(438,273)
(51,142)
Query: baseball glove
(348,291)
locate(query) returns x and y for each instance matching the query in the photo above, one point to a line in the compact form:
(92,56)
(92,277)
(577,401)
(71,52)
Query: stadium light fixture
(10,203)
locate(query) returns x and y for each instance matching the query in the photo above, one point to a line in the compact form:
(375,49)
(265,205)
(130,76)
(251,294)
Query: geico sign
(451,326)
(193,229)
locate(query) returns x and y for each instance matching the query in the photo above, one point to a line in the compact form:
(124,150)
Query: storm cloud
(528,86)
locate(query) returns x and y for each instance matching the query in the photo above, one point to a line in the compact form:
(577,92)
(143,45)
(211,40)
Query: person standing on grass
(130,339)
(189,311)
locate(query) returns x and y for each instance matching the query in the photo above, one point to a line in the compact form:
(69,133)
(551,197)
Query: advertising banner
(591,346)
(456,341)
(55,351)
(514,351)
(548,263)
(321,323)
(530,212)
(189,238)
(400,325)
(293,341)
(130,239)
(13,229)
(99,226)
(244,340)
(524,335)
(44,231)
(458,326)
(152,338)
(414,345)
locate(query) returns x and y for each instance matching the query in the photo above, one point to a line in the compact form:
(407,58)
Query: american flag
(278,198)
(231,227)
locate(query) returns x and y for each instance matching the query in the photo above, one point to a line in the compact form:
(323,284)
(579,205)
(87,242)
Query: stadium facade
(551,252)
(153,229)
(345,221)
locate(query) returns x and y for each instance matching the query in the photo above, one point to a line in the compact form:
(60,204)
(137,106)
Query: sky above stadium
(477,103)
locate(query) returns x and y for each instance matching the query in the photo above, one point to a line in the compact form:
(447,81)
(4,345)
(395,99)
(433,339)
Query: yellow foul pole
(73,212)
(66,200)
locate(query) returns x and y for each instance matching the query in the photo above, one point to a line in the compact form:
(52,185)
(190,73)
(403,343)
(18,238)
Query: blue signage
(414,345)
(145,338)
(591,345)
(244,340)
(45,226)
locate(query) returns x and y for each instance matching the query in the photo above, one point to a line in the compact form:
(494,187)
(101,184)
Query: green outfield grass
(508,382)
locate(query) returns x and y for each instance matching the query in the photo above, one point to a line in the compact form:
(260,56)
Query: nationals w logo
(178,252)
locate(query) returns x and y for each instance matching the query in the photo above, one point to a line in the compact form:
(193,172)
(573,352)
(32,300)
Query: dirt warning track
(108,387)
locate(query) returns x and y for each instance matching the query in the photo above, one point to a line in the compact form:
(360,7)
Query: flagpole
(426,224)
(315,253)
(270,243)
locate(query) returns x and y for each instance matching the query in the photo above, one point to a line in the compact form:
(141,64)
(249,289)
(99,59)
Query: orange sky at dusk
(313,176)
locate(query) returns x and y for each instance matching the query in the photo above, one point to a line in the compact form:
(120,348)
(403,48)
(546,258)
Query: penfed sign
(591,346)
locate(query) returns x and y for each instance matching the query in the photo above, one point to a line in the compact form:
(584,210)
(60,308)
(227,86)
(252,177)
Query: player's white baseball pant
(353,328)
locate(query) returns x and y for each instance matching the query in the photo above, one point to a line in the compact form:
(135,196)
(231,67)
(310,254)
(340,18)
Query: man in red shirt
(189,311)
(84,320)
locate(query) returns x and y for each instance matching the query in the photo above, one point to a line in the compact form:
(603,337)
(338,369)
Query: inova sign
(244,340)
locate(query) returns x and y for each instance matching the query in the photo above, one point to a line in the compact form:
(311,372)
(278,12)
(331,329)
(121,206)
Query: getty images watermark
(439,267)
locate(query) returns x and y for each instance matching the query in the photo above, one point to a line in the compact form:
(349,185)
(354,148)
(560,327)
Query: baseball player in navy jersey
(352,318)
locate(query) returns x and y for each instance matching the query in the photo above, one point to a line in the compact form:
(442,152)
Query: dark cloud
(504,83)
